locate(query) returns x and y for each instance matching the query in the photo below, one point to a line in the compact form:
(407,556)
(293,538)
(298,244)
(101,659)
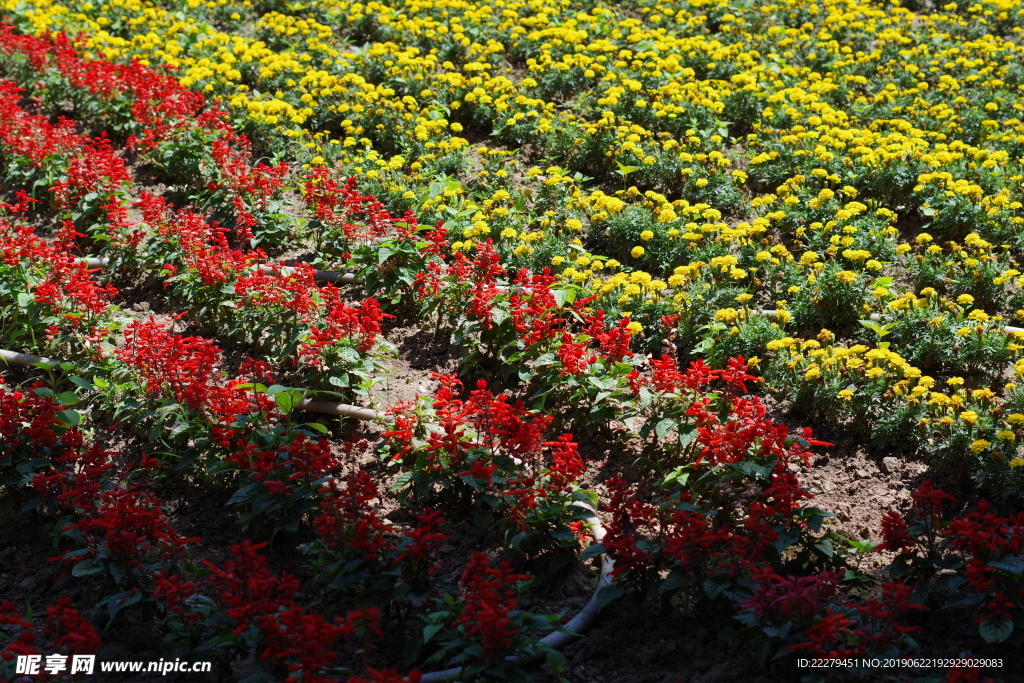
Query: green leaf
(431,630)
(563,296)
(68,398)
(664,427)
(83,383)
(286,398)
(609,593)
(402,481)
(71,418)
(121,600)
(995,629)
(625,170)
(86,567)
(687,438)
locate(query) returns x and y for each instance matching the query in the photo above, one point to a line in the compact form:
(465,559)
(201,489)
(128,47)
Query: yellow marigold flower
(978,445)
(923,238)
(646,235)
(637,252)
(965,299)
(846,277)
(955,381)
(875,373)
(557,260)
(845,394)
(726,315)
(634,328)
(969,416)
(574,224)
(812,373)
(985,394)
(1016,462)
(1006,435)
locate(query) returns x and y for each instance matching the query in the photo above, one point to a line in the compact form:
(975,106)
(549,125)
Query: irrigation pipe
(319,275)
(576,626)
(326,407)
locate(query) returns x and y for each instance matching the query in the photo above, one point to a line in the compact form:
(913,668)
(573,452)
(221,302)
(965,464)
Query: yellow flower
(634,328)
(574,224)
(846,277)
(845,394)
(965,299)
(557,260)
(969,416)
(978,445)
(1015,419)
(1007,435)
(955,381)
(637,252)
(646,235)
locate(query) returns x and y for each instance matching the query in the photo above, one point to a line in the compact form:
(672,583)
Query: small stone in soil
(889,465)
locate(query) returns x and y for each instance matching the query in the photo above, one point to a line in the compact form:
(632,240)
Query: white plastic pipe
(23,358)
(340,409)
(577,625)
